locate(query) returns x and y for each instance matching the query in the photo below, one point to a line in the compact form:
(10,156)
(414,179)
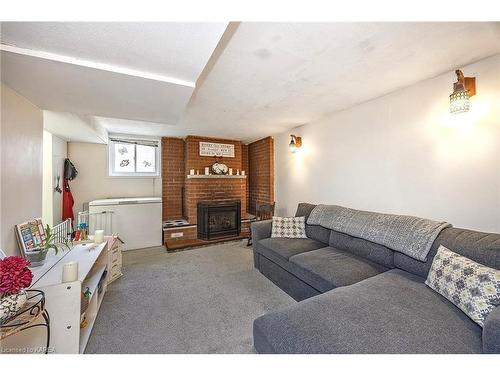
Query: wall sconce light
(463,89)
(295,143)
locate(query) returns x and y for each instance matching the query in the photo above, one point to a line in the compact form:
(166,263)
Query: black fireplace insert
(218,219)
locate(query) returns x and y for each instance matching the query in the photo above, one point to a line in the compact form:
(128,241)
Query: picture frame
(222,150)
(30,235)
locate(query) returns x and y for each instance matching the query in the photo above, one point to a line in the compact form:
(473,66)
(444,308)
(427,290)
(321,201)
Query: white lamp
(295,143)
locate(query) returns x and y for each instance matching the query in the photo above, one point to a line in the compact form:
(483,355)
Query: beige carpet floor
(201,300)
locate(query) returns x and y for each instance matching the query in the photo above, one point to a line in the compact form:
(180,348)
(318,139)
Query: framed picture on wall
(224,150)
(30,235)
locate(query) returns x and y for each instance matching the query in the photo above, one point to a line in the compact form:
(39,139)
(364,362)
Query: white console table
(63,299)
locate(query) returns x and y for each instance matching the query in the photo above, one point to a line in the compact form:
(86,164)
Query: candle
(70,272)
(99,236)
(207,171)
(230,171)
(242,173)
(191,172)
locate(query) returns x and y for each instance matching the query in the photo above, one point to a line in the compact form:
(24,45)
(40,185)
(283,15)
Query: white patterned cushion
(470,286)
(289,227)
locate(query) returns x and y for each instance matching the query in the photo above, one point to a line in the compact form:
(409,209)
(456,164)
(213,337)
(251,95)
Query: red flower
(14,274)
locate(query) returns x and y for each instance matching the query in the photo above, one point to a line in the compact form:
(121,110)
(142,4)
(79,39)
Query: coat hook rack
(58,188)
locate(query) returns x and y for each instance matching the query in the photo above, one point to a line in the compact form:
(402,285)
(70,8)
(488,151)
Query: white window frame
(132,139)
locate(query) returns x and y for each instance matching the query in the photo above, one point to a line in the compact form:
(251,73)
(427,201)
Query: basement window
(130,157)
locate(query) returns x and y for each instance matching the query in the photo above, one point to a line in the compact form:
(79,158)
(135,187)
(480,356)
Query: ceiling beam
(94,65)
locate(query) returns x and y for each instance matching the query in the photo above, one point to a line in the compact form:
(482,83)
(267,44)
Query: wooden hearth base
(177,245)
(179,238)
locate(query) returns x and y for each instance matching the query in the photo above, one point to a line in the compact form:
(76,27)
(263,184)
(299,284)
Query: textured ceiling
(81,90)
(135,71)
(274,76)
(174,49)
(263,78)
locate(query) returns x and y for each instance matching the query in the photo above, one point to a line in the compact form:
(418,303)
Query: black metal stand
(34,307)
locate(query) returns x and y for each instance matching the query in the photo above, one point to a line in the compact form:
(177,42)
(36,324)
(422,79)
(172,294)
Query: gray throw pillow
(472,287)
(289,227)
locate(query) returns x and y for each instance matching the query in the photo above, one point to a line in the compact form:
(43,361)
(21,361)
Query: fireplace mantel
(189,176)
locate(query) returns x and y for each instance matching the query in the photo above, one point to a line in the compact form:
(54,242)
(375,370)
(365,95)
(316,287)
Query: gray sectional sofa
(360,297)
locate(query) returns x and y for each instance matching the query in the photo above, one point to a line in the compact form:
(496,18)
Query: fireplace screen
(221,221)
(218,219)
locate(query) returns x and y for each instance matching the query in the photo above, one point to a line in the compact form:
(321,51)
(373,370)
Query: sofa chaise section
(393,312)
(361,297)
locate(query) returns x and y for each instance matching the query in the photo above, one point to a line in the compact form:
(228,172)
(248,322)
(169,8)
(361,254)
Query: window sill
(134,176)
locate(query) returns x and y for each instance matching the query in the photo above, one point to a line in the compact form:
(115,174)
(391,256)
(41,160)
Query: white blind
(141,142)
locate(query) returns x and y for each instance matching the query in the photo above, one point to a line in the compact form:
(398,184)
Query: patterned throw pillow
(470,286)
(289,227)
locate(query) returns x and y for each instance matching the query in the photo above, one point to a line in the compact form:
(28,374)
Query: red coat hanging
(68,202)
(70,173)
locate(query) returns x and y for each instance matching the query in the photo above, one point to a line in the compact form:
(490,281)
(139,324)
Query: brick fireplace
(182,192)
(214,188)
(223,188)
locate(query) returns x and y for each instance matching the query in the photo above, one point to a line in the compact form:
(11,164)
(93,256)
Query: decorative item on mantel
(219,168)
(15,277)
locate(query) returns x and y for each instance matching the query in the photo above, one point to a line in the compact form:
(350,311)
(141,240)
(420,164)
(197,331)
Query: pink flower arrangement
(14,275)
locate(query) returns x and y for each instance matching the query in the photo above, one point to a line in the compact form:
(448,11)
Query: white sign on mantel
(216,149)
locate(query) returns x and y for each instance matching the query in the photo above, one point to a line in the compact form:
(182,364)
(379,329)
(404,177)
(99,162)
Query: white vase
(11,304)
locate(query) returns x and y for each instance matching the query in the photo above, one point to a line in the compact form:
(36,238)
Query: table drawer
(116,269)
(115,255)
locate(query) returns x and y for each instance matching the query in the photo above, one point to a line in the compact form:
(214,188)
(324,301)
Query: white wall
(1,179)
(48,186)
(403,153)
(59,154)
(93,182)
(54,153)
(21,165)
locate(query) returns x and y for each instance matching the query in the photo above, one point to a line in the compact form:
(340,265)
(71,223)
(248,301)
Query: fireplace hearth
(218,219)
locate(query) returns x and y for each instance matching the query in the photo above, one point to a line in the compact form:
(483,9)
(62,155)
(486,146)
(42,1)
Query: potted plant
(15,276)
(37,255)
